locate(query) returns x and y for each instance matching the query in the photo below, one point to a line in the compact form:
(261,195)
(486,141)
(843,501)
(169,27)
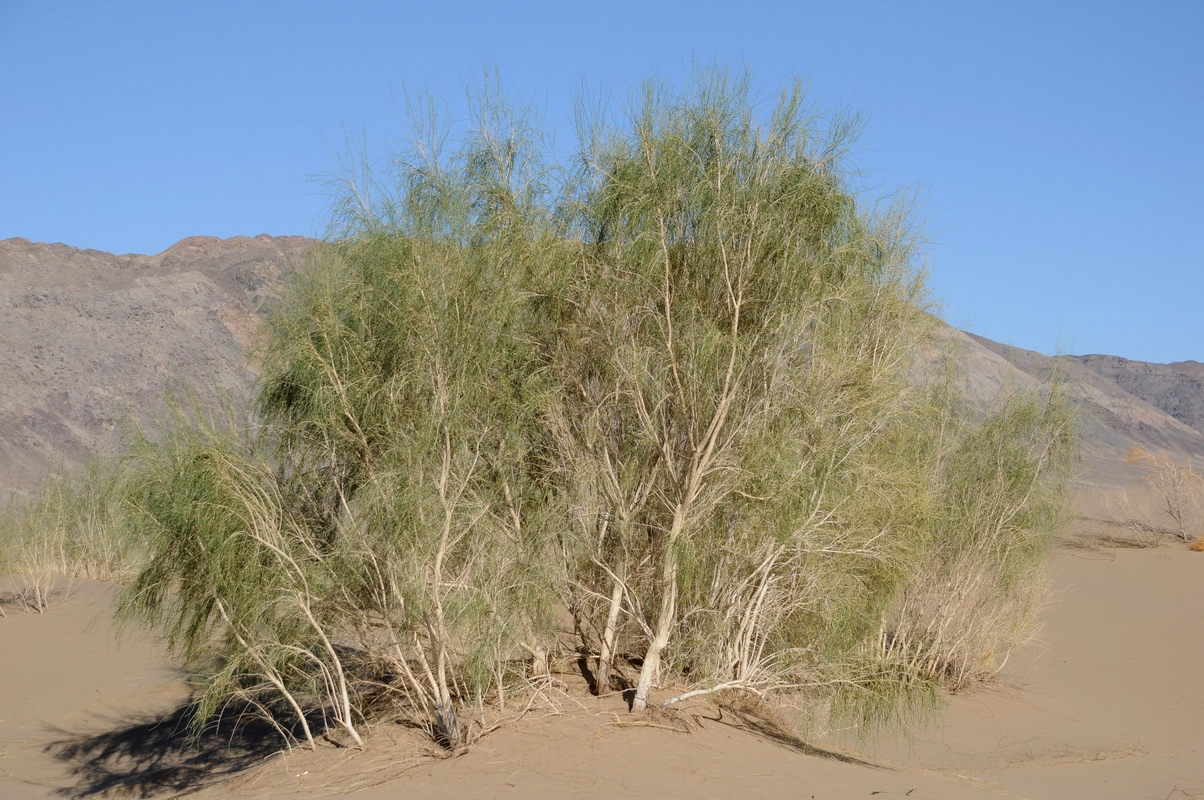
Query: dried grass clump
(1198,544)
(76,527)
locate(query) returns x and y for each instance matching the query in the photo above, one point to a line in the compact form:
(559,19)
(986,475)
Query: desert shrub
(670,387)
(379,542)
(1179,488)
(760,496)
(996,493)
(234,580)
(74,527)
(737,337)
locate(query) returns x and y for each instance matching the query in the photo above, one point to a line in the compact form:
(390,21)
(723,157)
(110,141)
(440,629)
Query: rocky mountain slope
(1122,404)
(1176,388)
(88,337)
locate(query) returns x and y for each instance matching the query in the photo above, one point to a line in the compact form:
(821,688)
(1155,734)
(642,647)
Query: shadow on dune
(150,757)
(763,722)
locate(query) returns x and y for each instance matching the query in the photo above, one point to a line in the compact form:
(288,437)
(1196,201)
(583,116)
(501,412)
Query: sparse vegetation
(974,597)
(668,391)
(76,527)
(1179,488)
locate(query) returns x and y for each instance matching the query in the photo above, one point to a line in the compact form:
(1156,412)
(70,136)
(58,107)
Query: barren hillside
(1176,388)
(1123,404)
(87,337)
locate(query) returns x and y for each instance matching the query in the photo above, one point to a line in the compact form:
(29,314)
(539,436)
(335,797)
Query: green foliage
(993,491)
(400,516)
(671,387)
(233,579)
(762,497)
(76,526)
(739,340)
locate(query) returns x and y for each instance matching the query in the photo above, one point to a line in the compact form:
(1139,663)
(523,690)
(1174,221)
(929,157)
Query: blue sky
(1059,147)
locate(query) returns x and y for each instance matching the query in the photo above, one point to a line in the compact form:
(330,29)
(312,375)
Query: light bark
(606,657)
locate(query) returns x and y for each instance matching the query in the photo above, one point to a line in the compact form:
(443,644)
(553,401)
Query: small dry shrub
(1126,524)
(1179,487)
(958,625)
(1198,544)
(72,529)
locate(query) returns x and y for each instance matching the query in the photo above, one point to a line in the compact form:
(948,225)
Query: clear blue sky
(1059,146)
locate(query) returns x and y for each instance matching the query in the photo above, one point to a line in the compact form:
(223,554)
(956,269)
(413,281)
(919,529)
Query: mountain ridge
(86,336)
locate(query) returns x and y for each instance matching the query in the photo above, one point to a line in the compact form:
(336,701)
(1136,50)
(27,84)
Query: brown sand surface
(1109,703)
(63,674)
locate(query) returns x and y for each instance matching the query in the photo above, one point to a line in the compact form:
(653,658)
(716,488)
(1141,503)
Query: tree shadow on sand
(149,757)
(760,720)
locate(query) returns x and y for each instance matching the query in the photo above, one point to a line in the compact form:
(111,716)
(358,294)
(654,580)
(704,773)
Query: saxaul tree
(670,388)
(738,331)
(389,514)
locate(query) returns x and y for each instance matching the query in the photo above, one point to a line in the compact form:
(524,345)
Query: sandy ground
(1109,703)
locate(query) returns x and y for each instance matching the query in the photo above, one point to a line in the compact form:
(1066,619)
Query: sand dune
(1107,704)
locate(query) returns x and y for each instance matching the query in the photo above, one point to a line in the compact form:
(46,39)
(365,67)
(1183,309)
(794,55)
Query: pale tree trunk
(667,613)
(704,452)
(660,638)
(606,657)
(447,722)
